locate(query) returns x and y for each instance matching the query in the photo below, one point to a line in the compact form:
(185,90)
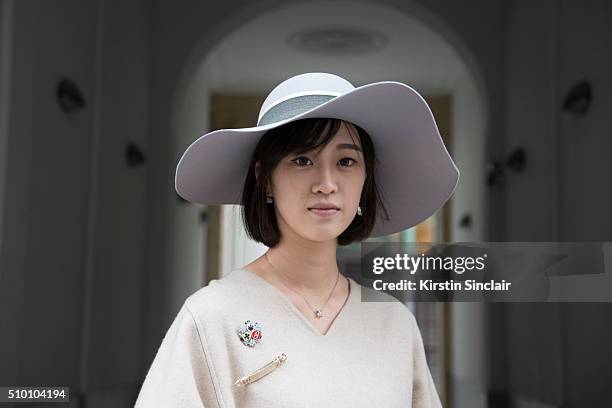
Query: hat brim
(415,172)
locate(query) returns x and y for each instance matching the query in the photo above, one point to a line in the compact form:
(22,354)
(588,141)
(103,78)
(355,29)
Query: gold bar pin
(262,372)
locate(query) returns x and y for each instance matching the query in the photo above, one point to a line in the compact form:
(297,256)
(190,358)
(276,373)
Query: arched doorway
(242,59)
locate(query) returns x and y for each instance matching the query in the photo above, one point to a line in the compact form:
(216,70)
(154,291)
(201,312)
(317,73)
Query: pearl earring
(359,212)
(269,199)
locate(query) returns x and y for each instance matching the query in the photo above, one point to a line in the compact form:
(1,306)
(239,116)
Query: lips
(324,207)
(329,212)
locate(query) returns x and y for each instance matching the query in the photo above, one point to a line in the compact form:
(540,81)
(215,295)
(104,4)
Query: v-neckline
(339,316)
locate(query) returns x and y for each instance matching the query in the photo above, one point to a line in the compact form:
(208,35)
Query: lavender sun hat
(415,172)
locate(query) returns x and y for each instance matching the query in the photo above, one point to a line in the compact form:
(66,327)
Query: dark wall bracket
(496,170)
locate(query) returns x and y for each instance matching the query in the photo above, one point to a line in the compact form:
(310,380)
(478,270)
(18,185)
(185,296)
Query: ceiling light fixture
(337,40)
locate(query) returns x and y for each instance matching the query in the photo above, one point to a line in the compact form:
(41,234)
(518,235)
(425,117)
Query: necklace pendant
(318,314)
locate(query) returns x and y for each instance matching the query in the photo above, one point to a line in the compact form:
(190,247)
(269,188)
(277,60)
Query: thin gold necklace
(318,313)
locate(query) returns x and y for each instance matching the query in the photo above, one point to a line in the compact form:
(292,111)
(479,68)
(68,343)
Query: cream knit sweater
(371,356)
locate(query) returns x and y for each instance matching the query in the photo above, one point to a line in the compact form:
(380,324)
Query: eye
(299,161)
(303,161)
(348,158)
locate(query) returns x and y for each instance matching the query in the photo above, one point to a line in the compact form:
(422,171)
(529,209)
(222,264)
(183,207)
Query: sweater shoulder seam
(209,363)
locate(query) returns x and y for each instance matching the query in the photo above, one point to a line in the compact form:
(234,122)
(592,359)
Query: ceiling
(259,54)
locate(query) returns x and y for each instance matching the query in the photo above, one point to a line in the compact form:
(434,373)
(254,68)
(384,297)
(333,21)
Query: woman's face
(333,175)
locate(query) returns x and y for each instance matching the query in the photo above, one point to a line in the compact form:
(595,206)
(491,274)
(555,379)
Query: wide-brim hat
(415,173)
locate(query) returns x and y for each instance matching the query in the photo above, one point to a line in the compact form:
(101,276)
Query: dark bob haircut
(299,137)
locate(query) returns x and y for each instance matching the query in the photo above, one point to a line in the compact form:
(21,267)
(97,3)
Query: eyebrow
(348,146)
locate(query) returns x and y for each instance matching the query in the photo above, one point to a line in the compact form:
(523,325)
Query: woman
(288,329)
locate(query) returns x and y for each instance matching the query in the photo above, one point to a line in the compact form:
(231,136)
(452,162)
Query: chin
(321,236)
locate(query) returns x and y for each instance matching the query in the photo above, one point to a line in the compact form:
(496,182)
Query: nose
(325,182)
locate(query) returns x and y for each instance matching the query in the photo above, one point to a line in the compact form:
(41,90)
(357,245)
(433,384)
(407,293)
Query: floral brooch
(249,333)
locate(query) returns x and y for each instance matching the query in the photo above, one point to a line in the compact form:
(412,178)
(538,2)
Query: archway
(258,48)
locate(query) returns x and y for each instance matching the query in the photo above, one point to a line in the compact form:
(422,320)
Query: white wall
(6,28)
(563,195)
(237,249)
(188,243)
(74,229)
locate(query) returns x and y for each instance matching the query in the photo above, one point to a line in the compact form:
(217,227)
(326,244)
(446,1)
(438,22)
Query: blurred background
(98,100)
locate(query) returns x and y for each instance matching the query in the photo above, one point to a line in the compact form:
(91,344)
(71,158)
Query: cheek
(289,198)
(357,184)
(288,188)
